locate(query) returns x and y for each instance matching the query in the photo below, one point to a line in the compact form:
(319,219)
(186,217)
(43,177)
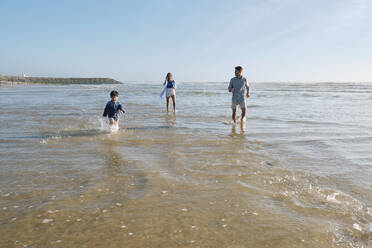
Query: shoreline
(14,80)
(9,83)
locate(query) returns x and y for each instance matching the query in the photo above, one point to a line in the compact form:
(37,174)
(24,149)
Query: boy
(112,109)
(237,87)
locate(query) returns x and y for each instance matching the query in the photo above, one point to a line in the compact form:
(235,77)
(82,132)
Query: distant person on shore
(238,85)
(112,110)
(170,90)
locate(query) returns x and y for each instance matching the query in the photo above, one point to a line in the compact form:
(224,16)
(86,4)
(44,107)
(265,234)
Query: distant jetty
(53,80)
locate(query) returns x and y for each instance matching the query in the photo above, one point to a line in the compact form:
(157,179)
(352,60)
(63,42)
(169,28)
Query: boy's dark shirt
(112,109)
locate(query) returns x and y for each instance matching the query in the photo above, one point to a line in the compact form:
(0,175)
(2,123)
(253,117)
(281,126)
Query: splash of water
(103,124)
(114,128)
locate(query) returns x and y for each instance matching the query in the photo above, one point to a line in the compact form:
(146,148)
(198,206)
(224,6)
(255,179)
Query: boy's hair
(239,68)
(114,93)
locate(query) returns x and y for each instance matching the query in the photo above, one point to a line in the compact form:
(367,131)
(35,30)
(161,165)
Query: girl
(171,90)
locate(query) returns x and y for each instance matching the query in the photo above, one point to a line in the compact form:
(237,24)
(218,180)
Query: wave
(303,194)
(75,133)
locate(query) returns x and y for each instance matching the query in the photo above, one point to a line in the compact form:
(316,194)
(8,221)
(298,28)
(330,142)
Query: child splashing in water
(112,110)
(170,91)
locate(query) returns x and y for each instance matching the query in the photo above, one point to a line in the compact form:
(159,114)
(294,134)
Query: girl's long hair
(167,77)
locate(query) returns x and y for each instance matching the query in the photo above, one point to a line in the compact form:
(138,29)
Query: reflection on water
(171,119)
(297,173)
(241,129)
(118,169)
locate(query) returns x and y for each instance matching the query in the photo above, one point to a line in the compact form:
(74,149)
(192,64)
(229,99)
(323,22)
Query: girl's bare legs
(167,103)
(174,103)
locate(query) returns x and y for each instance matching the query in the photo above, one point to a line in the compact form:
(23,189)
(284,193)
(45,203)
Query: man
(237,87)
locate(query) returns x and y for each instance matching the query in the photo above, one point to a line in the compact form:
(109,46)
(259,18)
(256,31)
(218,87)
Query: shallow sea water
(297,174)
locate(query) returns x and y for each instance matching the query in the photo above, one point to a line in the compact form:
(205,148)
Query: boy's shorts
(242,104)
(112,121)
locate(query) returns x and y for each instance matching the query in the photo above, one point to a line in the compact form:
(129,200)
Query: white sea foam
(45,221)
(103,125)
(357,227)
(332,197)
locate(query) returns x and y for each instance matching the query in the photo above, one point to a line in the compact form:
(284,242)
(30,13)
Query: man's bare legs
(234,115)
(174,103)
(243,114)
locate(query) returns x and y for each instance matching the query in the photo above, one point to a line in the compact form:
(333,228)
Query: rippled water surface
(297,174)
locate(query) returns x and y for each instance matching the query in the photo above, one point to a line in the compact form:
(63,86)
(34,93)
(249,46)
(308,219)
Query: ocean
(298,173)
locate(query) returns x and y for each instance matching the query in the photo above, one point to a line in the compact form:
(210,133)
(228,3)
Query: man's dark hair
(239,68)
(114,93)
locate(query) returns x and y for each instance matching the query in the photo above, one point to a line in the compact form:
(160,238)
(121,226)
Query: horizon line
(203,81)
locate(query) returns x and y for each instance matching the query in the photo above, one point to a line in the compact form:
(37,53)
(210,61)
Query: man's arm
(231,88)
(248,90)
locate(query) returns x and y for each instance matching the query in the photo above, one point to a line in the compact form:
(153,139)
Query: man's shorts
(242,104)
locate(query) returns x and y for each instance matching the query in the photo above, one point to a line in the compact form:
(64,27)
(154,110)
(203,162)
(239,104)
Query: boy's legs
(174,102)
(116,126)
(113,122)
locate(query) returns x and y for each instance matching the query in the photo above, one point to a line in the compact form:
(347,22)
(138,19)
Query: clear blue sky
(197,40)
